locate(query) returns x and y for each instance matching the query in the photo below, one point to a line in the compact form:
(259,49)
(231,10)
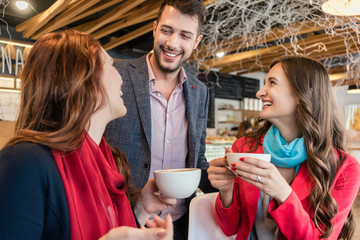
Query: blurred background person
(244,128)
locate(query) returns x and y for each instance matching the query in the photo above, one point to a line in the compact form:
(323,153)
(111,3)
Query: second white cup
(235,157)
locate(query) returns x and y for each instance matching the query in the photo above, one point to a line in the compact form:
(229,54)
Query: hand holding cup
(178,183)
(257,170)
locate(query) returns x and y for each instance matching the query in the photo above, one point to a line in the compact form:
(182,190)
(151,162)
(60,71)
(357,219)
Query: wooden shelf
(240,110)
(229,109)
(232,122)
(244,114)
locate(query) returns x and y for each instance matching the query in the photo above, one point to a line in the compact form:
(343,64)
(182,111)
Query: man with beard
(165,126)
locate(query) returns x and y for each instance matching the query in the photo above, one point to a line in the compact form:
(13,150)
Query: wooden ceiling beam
(344,82)
(268,59)
(338,69)
(109,17)
(335,52)
(259,62)
(33,24)
(65,18)
(207,2)
(264,67)
(337,76)
(103,4)
(307,26)
(120,25)
(334,47)
(128,37)
(230,59)
(142,13)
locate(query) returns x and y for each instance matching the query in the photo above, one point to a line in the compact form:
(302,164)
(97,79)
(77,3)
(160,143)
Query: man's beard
(168,70)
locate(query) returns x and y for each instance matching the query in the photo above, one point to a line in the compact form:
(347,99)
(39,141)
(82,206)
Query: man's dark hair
(189,7)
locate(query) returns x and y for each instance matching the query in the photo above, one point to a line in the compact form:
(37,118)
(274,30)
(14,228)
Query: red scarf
(95,190)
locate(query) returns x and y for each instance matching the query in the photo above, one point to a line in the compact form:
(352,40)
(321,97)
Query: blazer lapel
(191,103)
(139,76)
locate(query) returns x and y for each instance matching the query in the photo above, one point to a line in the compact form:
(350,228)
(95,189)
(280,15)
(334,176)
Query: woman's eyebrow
(271,78)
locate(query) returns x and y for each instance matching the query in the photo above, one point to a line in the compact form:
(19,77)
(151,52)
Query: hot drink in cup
(235,157)
(177,183)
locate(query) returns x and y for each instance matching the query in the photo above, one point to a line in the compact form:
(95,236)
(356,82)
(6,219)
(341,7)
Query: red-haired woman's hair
(61,89)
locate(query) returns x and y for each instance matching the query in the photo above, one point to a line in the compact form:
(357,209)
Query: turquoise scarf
(284,154)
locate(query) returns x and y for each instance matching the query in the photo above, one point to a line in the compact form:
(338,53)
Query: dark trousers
(181,227)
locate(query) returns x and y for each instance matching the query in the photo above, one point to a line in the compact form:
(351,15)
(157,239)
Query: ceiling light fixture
(16,43)
(353,89)
(220,54)
(22,5)
(342,7)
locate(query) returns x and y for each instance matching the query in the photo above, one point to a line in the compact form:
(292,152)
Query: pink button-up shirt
(169,138)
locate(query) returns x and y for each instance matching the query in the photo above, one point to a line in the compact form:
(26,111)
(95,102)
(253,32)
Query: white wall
(9,105)
(343,99)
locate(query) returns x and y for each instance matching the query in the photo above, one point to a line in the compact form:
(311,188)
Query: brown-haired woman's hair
(61,89)
(323,132)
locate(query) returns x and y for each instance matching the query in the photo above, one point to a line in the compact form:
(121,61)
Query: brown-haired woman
(58,177)
(308,189)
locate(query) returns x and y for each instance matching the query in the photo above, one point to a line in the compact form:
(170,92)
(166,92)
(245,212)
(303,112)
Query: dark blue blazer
(33,202)
(132,133)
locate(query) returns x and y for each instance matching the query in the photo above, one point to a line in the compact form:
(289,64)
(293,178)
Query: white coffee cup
(252,104)
(246,103)
(177,183)
(235,157)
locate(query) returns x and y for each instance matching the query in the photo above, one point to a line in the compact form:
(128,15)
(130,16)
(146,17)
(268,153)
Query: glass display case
(216,150)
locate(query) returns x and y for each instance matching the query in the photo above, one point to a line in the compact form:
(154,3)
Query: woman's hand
(222,178)
(150,203)
(266,177)
(158,229)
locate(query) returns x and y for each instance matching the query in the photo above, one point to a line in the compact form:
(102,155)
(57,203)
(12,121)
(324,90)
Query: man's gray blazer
(132,133)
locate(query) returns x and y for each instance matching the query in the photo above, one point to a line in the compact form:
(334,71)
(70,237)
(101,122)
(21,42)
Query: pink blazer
(294,216)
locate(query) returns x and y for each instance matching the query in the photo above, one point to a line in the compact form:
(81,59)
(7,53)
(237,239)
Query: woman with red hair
(58,177)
